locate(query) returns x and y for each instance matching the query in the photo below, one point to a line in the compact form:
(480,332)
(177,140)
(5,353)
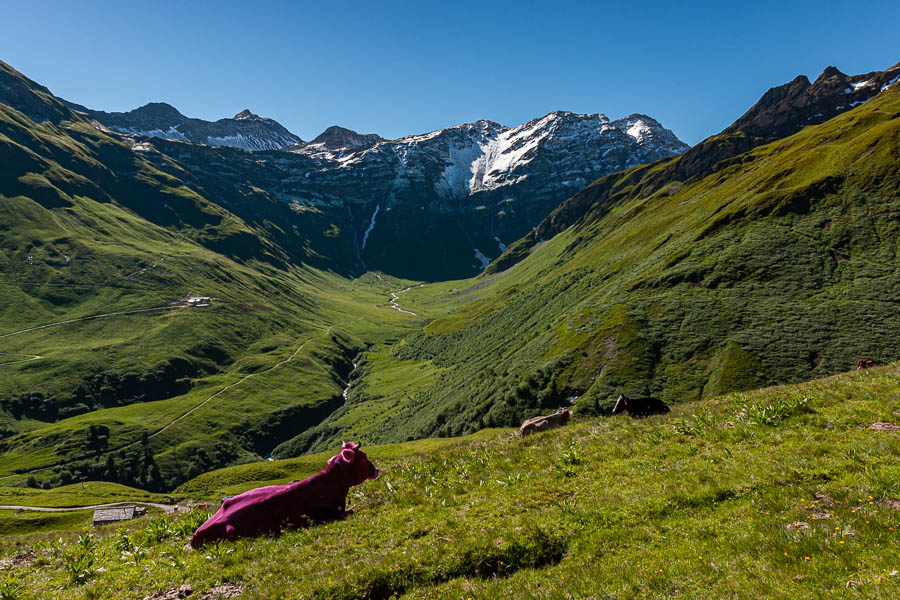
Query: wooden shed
(114,514)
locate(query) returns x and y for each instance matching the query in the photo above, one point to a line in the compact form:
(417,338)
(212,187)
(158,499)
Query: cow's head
(621,404)
(355,463)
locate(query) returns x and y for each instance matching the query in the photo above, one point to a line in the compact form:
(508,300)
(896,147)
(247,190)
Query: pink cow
(272,508)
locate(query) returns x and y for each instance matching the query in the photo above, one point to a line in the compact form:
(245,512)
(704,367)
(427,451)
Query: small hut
(114,514)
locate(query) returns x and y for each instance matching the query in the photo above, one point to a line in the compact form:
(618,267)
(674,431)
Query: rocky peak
(830,71)
(246,114)
(786,109)
(782,111)
(340,138)
(159,110)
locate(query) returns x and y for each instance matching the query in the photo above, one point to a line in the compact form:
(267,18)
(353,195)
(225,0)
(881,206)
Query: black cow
(640,407)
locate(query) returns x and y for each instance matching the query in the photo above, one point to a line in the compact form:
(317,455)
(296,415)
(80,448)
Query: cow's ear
(347,455)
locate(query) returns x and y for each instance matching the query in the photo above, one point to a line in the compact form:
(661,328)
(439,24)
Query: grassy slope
(91,227)
(777,493)
(77,494)
(779,267)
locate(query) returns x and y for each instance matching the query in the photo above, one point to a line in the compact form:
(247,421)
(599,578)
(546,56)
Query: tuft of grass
(11,588)
(773,413)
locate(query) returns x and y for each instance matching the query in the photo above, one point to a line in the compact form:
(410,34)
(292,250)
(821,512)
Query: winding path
(30,358)
(163,507)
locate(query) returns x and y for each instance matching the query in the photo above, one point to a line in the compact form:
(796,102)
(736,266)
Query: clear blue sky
(398,68)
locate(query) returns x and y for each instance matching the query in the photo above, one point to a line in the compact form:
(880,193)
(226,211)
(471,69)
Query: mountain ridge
(781,111)
(160,119)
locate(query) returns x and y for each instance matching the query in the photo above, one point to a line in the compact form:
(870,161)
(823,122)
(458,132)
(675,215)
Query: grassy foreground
(779,493)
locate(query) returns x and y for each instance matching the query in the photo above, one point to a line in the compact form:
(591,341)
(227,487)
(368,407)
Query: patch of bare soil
(19,560)
(182,591)
(882,426)
(220,592)
(824,499)
(229,590)
(890,503)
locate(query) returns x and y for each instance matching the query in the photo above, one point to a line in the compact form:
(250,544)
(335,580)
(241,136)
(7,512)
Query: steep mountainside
(158,119)
(779,265)
(439,205)
(456,196)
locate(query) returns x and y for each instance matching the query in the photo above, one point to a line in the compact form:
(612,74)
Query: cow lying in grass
(536,424)
(270,509)
(640,407)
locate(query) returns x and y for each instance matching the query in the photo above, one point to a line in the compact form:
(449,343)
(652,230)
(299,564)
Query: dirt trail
(236,383)
(163,507)
(100,316)
(30,358)
(179,418)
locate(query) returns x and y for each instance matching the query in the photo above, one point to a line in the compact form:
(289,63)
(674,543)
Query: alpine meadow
(198,317)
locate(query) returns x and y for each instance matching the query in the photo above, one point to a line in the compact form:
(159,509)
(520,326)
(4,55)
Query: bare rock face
(339,138)
(784,110)
(561,150)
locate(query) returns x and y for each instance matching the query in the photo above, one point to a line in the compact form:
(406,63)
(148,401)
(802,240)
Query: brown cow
(545,423)
(865,364)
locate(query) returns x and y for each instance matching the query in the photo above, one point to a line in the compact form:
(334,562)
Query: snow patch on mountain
(638,130)
(250,143)
(484,260)
(171,133)
(454,181)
